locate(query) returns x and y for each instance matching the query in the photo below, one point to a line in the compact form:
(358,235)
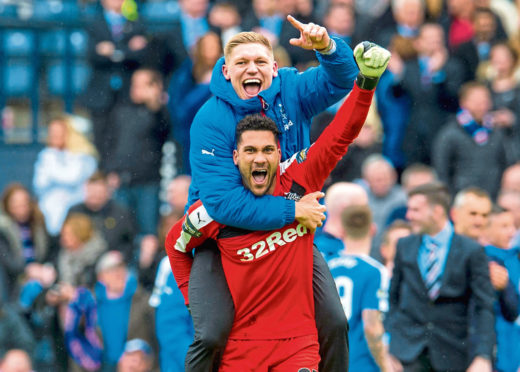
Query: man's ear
(275,69)
(235,157)
(225,72)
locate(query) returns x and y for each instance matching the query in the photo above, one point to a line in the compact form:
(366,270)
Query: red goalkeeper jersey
(269,273)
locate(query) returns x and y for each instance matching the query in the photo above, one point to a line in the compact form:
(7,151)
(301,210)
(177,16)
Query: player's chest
(244,247)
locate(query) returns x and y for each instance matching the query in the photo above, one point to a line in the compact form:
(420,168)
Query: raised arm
(332,144)
(322,86)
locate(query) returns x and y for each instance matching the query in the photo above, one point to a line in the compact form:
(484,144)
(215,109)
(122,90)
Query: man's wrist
(329,49)
(366,82)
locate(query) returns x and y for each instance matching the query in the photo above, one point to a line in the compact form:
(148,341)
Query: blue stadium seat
(161,11)
(52,43)
(56,77)
(8,10)
(66,11)
(18,77)
(18,43)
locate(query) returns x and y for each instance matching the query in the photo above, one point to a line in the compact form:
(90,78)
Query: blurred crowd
(83,282)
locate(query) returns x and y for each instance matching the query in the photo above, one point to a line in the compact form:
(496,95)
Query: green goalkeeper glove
(372,61)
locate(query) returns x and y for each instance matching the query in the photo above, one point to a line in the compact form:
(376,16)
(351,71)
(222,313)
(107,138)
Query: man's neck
(357,246)
(333,228)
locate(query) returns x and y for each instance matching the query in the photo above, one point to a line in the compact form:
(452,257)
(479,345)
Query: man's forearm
(374,330)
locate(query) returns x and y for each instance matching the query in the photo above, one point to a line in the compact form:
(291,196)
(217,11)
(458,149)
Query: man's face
(471,218)
(420,214)
(478,102)
(250,68)
(96,195)
(380,178)
(388,248)
(257,157)
(501,229)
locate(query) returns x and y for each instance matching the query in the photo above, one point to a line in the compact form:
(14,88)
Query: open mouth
(259,176)
(252,87)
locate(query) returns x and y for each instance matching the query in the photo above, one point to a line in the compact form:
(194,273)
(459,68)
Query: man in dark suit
(116,48)
(437,274)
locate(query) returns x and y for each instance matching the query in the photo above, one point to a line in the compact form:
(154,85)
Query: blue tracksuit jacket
(291,101)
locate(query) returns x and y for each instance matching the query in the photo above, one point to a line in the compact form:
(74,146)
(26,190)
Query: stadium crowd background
(105,174)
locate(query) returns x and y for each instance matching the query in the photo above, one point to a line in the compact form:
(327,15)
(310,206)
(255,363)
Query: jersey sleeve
(375,295)
(321,86)
(315,163)
(188,233)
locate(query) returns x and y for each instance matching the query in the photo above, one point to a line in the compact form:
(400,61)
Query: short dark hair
(396,225)
(497,209)
(256,122)
(435,192)
(356,221)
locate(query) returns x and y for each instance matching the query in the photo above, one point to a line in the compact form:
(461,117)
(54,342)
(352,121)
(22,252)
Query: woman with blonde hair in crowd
(61,170)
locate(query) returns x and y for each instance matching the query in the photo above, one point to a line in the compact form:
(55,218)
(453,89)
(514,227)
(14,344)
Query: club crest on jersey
(188,228)
(302,155)
(295,193)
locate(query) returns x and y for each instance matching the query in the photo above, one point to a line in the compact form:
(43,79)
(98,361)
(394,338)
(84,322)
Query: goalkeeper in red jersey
(269,273)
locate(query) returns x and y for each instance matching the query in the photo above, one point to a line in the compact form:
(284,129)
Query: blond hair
(246,38)
(81,226)
(75,140)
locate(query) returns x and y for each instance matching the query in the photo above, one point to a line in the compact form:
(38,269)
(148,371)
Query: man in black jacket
(437,274)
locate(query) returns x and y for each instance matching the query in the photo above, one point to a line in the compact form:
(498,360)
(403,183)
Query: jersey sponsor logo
(188,228)
(278,238)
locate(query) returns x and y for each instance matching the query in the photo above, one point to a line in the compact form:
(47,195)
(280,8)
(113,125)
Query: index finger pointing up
(297,24)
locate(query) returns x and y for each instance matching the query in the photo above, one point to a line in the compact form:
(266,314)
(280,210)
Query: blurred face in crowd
(135,361)
(250,68)
(430,40)
(113,5)
(16,361)
(380,177)
(501,229)
(143,89)
(511,178)
(68,238)
(340,20)
(178,191)
(502,60)
(511,202)
(114,279)
(410,13)
(97,194)
(57,134)
(211,49)
(19,205)
(417,179)
(257,157)
(477,101)
(265,7)
(388,247)
(471,218)
(194,8)
(484,26)
(422,215)
(224,16)
(461,8)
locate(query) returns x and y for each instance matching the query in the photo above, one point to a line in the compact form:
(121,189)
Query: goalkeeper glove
(372,61)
